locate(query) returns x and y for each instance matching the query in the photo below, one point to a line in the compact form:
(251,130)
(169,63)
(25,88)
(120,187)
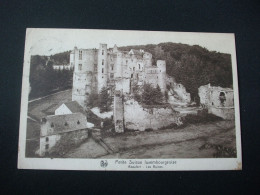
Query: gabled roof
(66,122)
(136,52)
(74,107)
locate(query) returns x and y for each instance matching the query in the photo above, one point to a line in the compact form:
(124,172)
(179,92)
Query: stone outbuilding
(219,101)
(59,131)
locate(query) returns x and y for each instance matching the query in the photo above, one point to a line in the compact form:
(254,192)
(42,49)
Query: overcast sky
(51,41)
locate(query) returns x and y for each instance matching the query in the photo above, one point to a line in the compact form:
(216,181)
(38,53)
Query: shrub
(201,117)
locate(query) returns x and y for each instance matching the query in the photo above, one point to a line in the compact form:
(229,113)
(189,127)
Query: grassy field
(47,105)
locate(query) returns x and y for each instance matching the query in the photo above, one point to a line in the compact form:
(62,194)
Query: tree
(151,95)
(104,100)
(158,96)
(147,96)
(137,93)
(93,100)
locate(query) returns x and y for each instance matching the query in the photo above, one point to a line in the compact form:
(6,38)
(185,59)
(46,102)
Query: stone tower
(161,74)
(147,58)
(83,75)
(102,66)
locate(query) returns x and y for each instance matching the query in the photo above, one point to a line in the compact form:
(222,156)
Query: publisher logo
(103,163)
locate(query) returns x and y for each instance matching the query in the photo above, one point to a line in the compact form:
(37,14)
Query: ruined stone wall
(123,85)
(219,101)
(151,75)
(221,98)
(225,113)
(161,64)
(118,65)
(72,59)
(204,95)
(139,118)
(118,112)
(147,58)
(181,92)
(111,66)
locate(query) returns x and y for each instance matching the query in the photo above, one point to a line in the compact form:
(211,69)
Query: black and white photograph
(129,100)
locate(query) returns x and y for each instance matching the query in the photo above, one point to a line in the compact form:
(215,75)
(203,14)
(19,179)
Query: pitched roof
(74,107)
(66,122)
(136,52)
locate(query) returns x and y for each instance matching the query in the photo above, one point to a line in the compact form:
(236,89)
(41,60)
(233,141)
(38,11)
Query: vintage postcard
(129,100)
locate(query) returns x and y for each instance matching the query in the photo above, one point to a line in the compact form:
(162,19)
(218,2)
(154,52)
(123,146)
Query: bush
(93,100)
(201,117)
(108,124)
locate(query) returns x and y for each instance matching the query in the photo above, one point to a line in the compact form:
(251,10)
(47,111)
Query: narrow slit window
(80,66)
(80,55)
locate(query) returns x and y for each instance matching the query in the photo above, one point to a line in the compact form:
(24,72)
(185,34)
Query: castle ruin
(119,70)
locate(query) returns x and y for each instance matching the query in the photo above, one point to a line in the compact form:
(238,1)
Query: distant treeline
(192,66)
(44,80)
(61,58)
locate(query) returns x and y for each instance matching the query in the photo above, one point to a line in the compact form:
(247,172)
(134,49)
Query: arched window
(78,122)
(139,66)
(46,139)
(222,98)
(102,62)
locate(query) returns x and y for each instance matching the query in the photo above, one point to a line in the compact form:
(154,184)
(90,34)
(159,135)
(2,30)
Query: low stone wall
(225,113)
(61,143)
(139,118)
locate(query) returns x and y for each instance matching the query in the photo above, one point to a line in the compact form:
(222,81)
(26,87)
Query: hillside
(44,80)
(192,66)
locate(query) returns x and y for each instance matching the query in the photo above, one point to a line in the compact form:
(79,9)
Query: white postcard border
(111,164)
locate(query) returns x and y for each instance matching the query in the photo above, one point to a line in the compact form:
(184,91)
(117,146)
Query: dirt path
(170,143)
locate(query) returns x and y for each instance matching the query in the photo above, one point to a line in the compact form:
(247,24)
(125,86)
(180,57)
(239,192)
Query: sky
(51,41)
